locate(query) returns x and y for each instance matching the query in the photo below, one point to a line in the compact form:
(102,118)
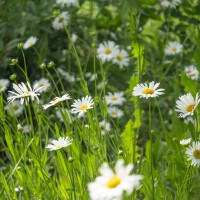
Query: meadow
(99,100)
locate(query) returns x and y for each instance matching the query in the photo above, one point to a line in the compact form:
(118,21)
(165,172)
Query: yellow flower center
(174,49)
(84,107)
(55,100)
(58,146)
(190,73)
(41,84)
(107,51)
(26,94)
(1,86)
(190,107)
(147,91)
(113,182)
(119,58)
(16,107)
(197,153)
(114,98)
(114,113)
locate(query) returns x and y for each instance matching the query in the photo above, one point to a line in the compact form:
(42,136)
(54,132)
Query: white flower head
(187,104)
(91,76)
(44,83)
(121,58)
(59,144)
(115,112)
(173,48)
(68,77)
(60,21)
(14,108)
(147,91)
(105,127)
(4,84)
(24,93)
(193,153)
(111,185)
(19,188)
(185,142)
(192,72)
(170,3)
(30,42)
(106,51)
(62,114)
(81,106)
(67,2)
(27,128)
(115,99)
(56,100)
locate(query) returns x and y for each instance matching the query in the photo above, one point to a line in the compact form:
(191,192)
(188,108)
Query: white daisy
(111,185)
(59,144)
(192,72)
(173,48)
(24,92)
(185,142)
(105,127)
(91,76)
(62,114)
(81,106)
(4,84)
(193,153)
(187,104)
(106,51)
(30,42)
(27,128)
(14,108)
(68,77)
(115,99)
(56,100)
(102,84)
(61,21)
(170,4)
(19,188)
(121,58)
(115,112)
(67,2)
(44,83)
(147,91)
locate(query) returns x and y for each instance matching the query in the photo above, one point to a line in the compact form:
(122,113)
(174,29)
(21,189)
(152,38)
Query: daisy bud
(56,13)
(13,77)
(43,66)
(20,46)
(14,62)
(19,128)
(51,64)
(70,159)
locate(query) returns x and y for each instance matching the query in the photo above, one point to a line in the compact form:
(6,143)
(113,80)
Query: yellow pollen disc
(1,86)
(190,108)
(174,49)
(114,113)
(147,91)
(84,107)
(113,182)
(41,84)
(190,74)
(119,58)
(15,107)
(58,146)
(107,51)
(197,153)
(114,98)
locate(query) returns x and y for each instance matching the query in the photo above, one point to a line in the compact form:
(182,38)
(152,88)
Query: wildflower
(44,83)
(81,106)
(30,42)
(170,4)
(14,108)
(62,114)
(111,185)
(193,153)
(59,144)
(61,20)
(91,76)
(189,120)
(27,128)
(115,112)
(67,2)
(192,72)
(120,57)
(19,128)
(19,188)
(102,84)
(187,104)
(4,84)
(147,91)
(68,77)
(105,127)
(24,92)
(106,51)
(56,100)
(115,99)
(173,48)
(185,142)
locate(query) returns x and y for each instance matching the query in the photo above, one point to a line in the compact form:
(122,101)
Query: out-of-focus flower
(19,188)
(105,127)
(185,142)
(173,48)
(67,2)
(170,4)
(44,83)
(115,99)
(68,77)
(30,42)
(115,112)
(192,72)
(62,114)
(121,58)
(193,153)
(27,128)
(14,108)
(4,84)
(60,21)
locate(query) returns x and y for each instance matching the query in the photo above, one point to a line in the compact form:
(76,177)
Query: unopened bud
(13,77)
(20,46)
(19,128)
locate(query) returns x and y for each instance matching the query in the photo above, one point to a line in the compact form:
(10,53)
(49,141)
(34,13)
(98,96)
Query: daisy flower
(24,92)
(111,184)
(14,108)
(185,142)
(91,76)
(115,112)
(61,20)
(106,51)
(56,100)
(67,2)
(59,144)
(4,84)
(147,91)
(30,42)
(170,4)
(187,104)
(68,77)
(193,153)
(115,99)
(27,128)
(173,48)
(44,83)
(62,114)
(105,127)
(81,106)
(192,72)
(121,58)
